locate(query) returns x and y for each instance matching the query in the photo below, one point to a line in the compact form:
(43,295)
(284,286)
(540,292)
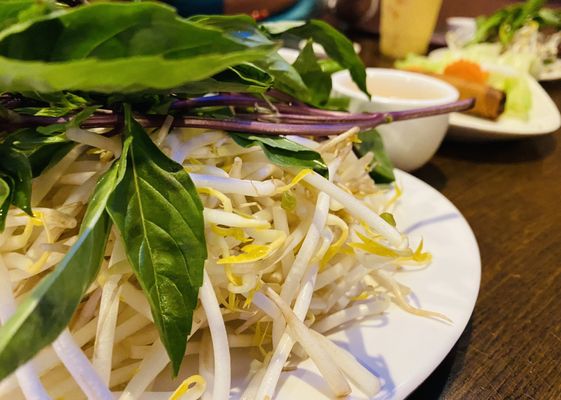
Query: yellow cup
(406,26)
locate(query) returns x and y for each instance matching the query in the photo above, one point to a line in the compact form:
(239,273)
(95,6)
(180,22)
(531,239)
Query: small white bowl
(409,144)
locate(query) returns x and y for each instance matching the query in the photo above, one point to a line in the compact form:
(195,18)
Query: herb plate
(400,348)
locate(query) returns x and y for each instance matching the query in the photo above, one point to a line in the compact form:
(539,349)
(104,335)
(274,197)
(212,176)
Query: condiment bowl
(409,144)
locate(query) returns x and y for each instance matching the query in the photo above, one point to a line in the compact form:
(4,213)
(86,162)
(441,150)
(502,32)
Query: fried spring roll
(489,102)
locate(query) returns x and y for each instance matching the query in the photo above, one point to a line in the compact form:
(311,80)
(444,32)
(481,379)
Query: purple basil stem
(301,120)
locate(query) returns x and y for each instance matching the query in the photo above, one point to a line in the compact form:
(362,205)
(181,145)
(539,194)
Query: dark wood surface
(510,193)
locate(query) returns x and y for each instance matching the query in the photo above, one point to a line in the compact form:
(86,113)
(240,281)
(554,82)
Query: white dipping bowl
(409,144)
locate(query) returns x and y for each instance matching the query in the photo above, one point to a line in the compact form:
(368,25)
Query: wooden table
(510,193)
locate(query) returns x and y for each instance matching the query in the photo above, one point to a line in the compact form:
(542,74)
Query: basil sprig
(283,152)
(160,217)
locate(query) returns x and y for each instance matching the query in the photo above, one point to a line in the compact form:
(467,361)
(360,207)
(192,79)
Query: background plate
(544,118)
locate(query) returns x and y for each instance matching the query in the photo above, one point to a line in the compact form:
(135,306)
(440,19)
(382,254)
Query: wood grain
(510,193)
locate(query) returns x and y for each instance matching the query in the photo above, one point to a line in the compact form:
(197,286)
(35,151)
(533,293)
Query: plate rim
(438,357)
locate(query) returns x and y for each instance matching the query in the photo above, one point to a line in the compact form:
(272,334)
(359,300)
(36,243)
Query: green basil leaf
(124,75)
(250,74)
(5,200)
(240,28)
(244,30)
(28,139)
(74,122)
(283,152)
(279,27)
(160,217)
(43,150)
(47,310)
(10,11)
(382,168)
(59,104)
(117,47)
(330,66)
(48,156)
(220,84)
(318,82)
(15,164)
(337,104)
(286,78)
(336,45)
(113,30)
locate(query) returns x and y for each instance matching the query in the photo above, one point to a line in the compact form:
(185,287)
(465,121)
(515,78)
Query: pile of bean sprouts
(292,256)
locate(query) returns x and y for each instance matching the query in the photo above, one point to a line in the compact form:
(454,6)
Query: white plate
(552,72)
(543,118)
(403,349)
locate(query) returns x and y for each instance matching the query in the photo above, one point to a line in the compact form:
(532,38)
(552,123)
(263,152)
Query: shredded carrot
(467,70)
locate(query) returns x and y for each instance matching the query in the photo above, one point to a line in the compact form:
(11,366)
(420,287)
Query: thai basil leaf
(286,78)
(42,150)
(48,156)
(74,122)
(337,104)
(243,78)
(220,84)
(16,165)
(283,152)
(249,74)
(241,28)
(124,75)
(336,45)
(330,66)
(116,47)
(59,104)
(382,168)
(114,30)
(317,81)
(279,27)
(5,199)
(14,11)
(45,146)
(246,31)
(47,310)
(160,217)
(28,139)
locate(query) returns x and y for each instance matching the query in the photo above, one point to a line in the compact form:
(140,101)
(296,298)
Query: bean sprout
(291,255)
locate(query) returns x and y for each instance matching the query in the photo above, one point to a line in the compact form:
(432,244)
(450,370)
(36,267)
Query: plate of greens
(173,193)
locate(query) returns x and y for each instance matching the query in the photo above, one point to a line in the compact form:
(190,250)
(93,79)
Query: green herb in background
(504,23)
